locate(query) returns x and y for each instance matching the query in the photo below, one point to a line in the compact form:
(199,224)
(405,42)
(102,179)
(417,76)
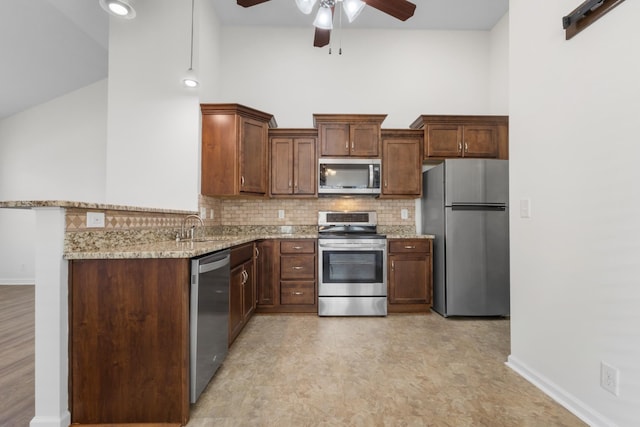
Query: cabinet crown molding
(241,110)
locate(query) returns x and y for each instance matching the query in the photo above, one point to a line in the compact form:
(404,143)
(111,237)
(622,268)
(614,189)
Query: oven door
(350,267)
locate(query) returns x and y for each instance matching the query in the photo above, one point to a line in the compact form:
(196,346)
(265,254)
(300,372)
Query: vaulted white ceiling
(52,47)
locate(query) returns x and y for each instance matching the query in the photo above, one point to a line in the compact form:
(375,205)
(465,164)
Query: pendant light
(190,79)
(324,18)
(120,8)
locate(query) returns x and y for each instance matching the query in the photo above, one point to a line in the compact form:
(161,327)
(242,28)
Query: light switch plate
(404,214)
(95,219)
(525,208)
(280,213)
(203,213)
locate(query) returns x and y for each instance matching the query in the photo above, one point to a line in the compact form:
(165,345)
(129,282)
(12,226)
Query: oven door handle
(351,246)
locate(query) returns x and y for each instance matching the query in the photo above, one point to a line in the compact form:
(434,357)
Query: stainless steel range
(352,268)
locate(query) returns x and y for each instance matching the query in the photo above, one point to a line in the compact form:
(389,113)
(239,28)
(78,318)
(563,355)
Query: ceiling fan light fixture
(305,6)
(324,19)
(352,8)
(120,8)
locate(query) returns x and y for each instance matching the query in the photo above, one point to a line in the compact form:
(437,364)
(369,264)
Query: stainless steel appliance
(349,176)
(209,318)
(352,270)
(466,206)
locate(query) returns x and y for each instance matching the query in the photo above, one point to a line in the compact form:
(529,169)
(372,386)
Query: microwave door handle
(370,176)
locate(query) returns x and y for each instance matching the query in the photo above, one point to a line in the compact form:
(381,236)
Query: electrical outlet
(609,378)
(280,213)
(404,214)
(95,219)
(211,214)
(203,213)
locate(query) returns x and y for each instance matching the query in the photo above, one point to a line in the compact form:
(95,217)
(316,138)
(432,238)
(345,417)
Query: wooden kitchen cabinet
(409,275)
(344,135)
(234,150)
(464,136)
(267,257)
(401,163)
(129,341)
(242,289)
(293,287)
(293,163)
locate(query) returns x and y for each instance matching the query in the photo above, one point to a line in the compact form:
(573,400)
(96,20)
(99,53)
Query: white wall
(400,73)
(55,151)
(574,151)
(153,126)
(499,68)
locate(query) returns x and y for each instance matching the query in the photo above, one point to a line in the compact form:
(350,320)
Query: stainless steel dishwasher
(209,317)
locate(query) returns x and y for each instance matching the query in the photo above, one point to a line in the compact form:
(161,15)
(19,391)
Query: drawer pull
(410,247)
(297,293)
(297,248)
(297,268)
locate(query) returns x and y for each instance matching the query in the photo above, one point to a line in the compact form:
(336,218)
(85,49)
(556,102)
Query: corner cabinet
(409,275)
(349,135)
(464,136)
(242,288)
(129,341)
(293,161)
(234,150)
(401,163)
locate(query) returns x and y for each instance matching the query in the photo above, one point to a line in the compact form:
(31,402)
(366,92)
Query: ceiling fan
(400,9)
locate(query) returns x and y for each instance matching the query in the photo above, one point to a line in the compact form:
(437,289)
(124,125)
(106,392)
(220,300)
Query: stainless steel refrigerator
(465,204)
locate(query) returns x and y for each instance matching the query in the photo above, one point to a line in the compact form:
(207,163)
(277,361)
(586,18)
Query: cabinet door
(443,141)
(409,279)
(248,291)
(236,303)
(480,141)
(253,156)
(334,139)
(305,169)
(365,140)
(281,165)
(266,267)
(402,167)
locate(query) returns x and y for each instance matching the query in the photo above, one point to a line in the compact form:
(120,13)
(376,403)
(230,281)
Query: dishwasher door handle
(205,268)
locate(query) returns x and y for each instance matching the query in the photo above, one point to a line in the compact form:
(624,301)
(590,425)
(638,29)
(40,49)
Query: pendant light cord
(191,58)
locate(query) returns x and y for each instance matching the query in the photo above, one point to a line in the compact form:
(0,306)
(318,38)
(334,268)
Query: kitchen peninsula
(135,246)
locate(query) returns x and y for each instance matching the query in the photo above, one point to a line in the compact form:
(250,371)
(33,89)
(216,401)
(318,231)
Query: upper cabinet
(294,166)
(355,135)
(234,150)
(464,136)
(401,163)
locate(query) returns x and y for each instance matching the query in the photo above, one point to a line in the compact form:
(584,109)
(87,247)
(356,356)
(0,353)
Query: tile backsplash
(238,212)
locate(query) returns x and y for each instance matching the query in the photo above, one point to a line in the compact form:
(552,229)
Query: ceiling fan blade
(401,9)
(322,37)
(249,3)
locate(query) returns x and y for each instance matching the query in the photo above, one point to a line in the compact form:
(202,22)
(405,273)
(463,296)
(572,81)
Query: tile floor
(402,370)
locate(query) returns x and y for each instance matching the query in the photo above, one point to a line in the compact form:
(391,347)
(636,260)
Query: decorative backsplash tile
(76,220)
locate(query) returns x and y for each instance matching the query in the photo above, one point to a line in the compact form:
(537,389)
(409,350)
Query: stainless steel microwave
(346,176)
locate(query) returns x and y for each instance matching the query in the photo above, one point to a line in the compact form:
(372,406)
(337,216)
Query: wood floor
(17,355)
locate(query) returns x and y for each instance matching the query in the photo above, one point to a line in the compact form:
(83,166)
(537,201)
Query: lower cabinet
(409,275)
(288,282)
(242,289)
(129,341)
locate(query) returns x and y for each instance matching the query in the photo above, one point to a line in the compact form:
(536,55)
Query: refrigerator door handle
(478,207)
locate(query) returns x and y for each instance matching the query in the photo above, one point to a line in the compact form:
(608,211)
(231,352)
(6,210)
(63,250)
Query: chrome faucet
(191,233)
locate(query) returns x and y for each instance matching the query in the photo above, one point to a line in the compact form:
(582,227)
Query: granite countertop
(188,249)
(29,204)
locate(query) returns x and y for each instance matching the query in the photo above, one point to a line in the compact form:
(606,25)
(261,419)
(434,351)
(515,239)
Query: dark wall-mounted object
(586,14)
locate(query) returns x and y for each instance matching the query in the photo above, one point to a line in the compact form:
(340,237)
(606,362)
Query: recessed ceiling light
(119,8)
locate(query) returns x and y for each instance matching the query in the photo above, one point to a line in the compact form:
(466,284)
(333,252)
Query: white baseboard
(573,405)
(62,421)
(28,281)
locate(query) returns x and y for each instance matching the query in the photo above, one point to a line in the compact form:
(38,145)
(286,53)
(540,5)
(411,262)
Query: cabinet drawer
(297,293)
(241,254)
(298,246)
(412,245)
(294,267)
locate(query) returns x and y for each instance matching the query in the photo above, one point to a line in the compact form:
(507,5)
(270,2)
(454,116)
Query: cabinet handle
(409,247)
(353,145)
(297,248)
(295,184)
(466,147)
(393,265)
(297,293)
(289,183)
(297,268)
(346,145)
(257,251)
(242,180)
(459,146)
